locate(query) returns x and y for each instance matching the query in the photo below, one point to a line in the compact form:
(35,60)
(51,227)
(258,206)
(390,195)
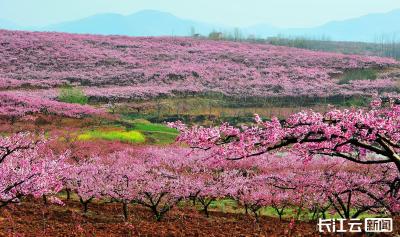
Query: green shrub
(72,95)
(357,75)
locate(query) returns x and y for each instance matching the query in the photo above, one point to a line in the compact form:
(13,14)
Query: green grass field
(155,133)
(231,206)
(133,131)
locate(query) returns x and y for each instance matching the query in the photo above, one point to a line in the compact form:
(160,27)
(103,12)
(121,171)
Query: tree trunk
(255,214)
(44,199)
(156,213)
(299,210)
(85,207)
(314,214)
(85,204)
(205,209)
(125,210)
(68,194)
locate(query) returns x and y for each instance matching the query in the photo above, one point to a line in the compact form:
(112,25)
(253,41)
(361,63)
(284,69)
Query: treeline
(234,35)
(389,45)
(383,45)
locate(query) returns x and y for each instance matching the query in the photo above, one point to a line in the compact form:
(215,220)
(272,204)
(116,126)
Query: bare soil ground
(37,219)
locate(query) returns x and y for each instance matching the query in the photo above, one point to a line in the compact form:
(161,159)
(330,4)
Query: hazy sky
(284,13)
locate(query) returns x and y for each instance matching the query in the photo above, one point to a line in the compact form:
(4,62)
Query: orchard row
(161,178)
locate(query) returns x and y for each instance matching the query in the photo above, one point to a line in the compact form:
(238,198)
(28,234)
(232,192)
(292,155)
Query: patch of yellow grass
(123,136)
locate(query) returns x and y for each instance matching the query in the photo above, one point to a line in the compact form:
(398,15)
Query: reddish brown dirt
(37,219)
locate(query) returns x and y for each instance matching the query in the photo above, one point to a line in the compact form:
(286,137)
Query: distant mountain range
(156,23)
(143,23)
(365,28)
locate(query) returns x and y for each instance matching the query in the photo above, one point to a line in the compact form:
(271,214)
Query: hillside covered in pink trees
(82,126)
(119,67)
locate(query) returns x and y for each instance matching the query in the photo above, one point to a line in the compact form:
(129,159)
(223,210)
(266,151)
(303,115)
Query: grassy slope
(156,133)
(140,131)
